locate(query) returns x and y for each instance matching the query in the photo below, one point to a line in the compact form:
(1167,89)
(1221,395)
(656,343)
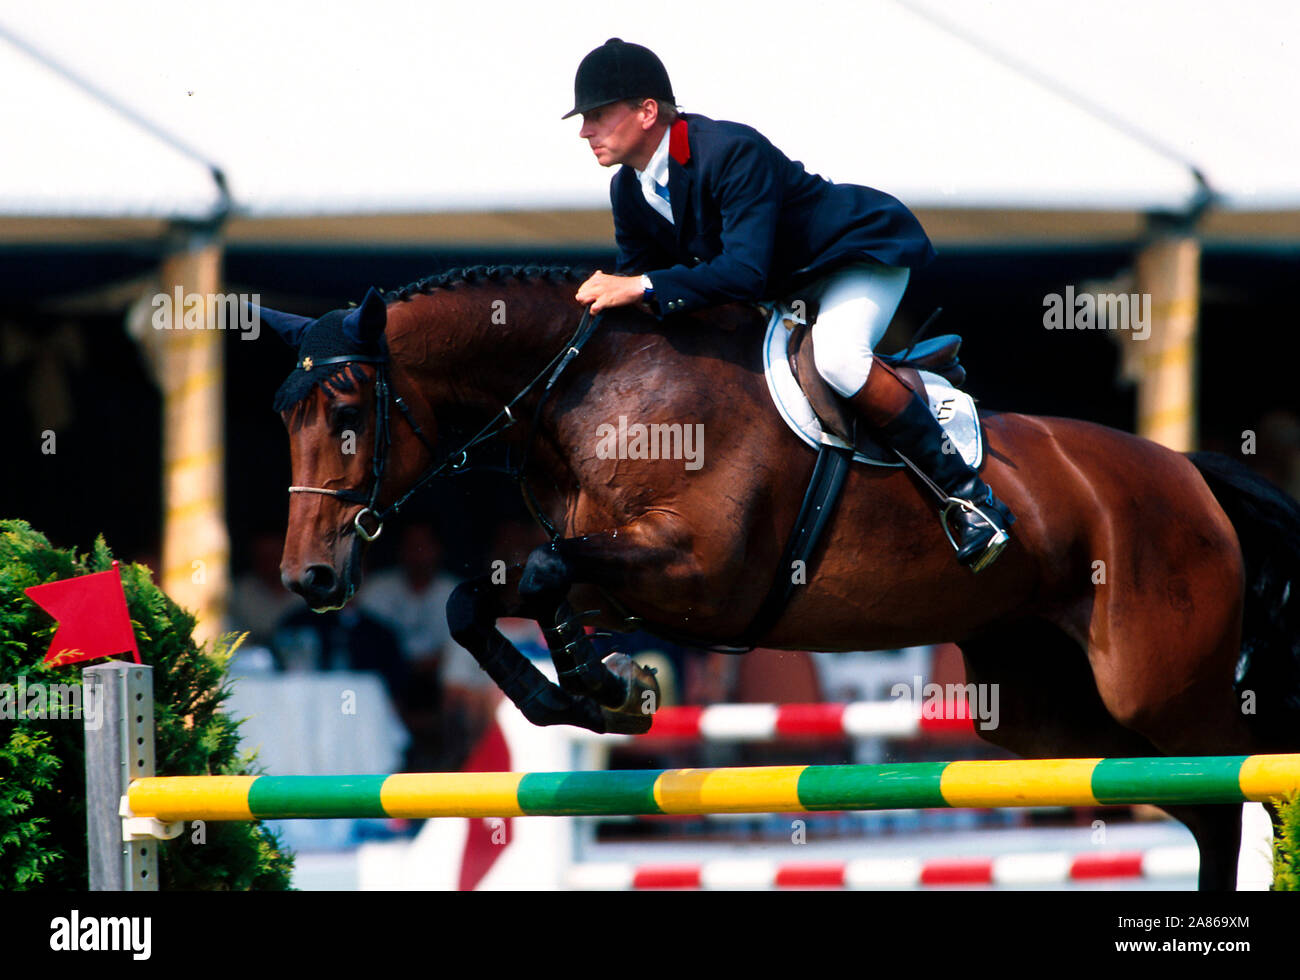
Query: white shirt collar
(657,168)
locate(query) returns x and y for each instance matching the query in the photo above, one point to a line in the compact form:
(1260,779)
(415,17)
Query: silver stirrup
(997,544)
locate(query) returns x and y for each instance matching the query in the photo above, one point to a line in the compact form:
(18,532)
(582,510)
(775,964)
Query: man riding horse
(414,385)
(709,212)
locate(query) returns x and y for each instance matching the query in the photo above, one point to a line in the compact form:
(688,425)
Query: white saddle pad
(954,409)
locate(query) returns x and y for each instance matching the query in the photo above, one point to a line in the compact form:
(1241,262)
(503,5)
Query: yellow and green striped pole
(764,789)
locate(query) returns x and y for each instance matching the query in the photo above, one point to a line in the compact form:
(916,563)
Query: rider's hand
(604,291)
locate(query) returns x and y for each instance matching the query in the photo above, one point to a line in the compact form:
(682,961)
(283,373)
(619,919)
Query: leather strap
(819,500)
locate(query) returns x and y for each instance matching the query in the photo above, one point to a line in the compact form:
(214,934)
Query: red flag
(92,614)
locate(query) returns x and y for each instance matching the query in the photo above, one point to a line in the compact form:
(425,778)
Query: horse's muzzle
(320,585)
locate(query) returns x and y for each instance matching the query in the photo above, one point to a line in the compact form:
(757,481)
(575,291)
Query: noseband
(458,460)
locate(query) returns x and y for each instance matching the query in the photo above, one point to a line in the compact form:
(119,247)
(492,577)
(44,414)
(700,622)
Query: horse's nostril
(319,578)
(317,583)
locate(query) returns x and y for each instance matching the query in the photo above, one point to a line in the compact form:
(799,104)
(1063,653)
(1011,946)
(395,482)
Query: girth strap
(815,513)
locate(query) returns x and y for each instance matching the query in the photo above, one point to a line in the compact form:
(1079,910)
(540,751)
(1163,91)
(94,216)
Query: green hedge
(42,769)
(1286,849)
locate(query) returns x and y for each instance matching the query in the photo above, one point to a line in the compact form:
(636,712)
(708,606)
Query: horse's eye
(345,417)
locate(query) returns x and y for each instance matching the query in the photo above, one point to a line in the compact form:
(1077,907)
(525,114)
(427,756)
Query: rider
(710,212)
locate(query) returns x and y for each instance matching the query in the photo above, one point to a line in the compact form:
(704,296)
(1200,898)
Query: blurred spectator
(412,598)
(258,599)
(353,639)
(344,639)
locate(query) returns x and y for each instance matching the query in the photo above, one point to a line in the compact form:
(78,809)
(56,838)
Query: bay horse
(1144,606)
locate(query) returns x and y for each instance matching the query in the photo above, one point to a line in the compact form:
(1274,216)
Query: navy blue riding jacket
(749,223)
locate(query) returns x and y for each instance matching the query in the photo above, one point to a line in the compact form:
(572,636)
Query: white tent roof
(391,106)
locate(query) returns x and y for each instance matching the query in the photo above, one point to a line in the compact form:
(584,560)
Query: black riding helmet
(617,70)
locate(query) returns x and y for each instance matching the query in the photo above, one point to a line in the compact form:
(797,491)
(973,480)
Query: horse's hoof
(636,713)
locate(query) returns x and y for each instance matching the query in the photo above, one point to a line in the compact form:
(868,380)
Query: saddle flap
(829,406)
(832,413)
(792,374)
(953,408)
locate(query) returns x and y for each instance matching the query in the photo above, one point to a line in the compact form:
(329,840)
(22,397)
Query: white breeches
(857,303)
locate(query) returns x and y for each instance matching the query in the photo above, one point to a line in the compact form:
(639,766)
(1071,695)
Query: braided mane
(345,377)
(475,274)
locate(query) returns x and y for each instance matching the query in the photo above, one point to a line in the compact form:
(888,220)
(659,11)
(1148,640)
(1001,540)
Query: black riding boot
(978,521)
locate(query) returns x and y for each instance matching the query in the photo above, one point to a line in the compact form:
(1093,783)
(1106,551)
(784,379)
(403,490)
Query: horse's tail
(1267,522)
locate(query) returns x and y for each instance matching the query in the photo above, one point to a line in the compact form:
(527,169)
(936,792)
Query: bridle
(383,442)
(458,460)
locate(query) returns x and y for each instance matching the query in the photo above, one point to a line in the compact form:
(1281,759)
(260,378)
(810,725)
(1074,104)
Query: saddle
(937,355)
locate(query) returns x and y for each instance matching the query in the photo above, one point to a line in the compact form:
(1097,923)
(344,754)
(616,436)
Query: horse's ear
(289,326)
(364,325)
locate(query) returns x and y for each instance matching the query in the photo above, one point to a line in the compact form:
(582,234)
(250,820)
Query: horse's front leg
(472,612)
(578,665)
(628,691)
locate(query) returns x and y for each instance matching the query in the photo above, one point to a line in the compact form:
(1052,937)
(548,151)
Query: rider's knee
(842,362)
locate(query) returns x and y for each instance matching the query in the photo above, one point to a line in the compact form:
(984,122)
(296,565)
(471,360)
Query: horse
(1143,607)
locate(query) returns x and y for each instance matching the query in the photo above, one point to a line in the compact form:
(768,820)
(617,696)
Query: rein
(456,461)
